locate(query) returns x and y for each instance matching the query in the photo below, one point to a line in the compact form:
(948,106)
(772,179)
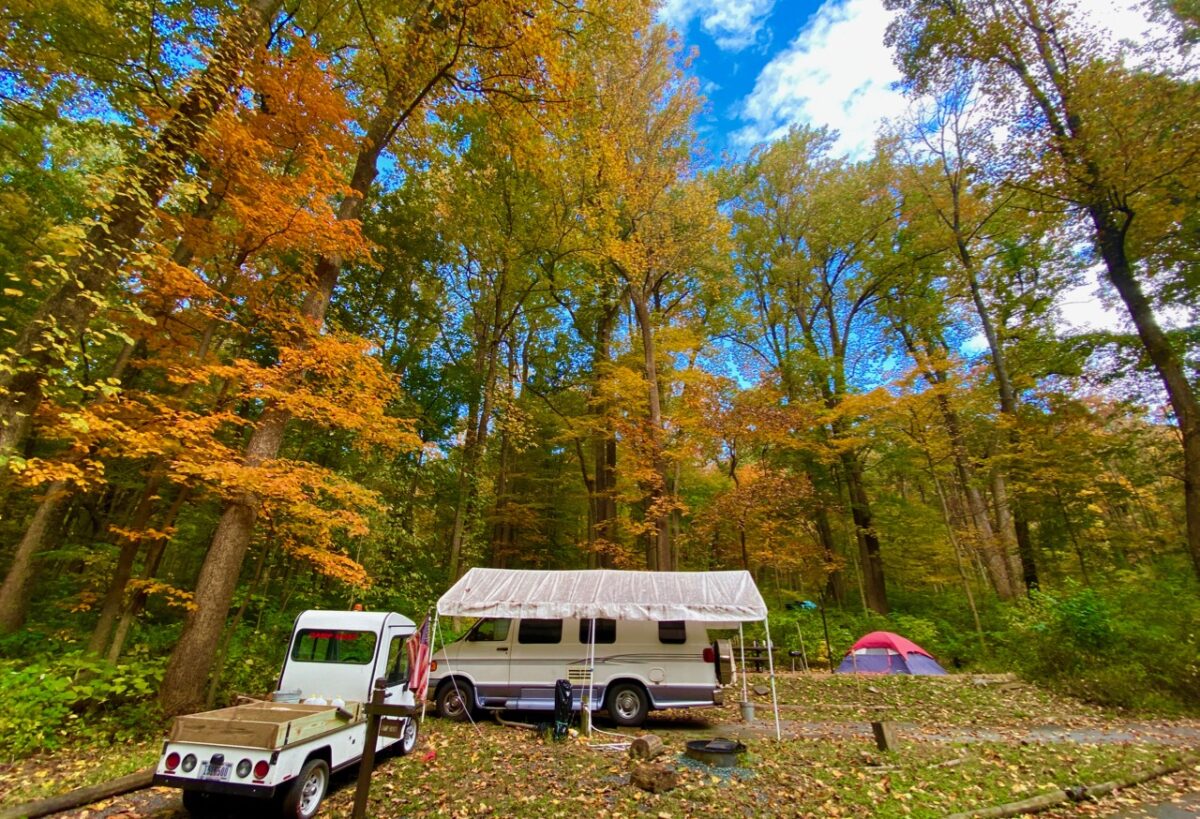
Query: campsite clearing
(966,742)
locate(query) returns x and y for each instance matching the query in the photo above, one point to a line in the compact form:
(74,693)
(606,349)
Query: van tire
(455,700)
(628,704)
(303,799)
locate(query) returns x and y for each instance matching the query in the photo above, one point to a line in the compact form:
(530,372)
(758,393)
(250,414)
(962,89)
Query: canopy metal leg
(771,667)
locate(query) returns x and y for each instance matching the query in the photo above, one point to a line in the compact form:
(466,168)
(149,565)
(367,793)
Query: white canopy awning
(711,597)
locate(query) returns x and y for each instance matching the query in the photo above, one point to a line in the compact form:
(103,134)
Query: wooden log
(81,796)
(1073,794)
(885,736)
(655,778)
(646,746)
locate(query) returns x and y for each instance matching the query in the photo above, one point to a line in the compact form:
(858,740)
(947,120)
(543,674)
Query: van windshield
(489,630)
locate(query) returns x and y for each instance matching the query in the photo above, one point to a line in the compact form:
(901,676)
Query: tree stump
(646,746)
(885,736)
(655,778)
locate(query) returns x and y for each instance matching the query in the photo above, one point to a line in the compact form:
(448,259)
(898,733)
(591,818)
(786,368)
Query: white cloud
(837,72)
(733,24)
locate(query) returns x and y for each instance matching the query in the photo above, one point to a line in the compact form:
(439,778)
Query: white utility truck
(280,754)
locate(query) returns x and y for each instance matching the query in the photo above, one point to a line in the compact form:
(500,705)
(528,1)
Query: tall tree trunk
(67,312)
(1110,237)
(656,508)
(1008,406)
(110,609)
(134,604)
(835,587)
(14,593)
(871,559)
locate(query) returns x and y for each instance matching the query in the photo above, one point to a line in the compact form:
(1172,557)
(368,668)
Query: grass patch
(503,771)
(43,776)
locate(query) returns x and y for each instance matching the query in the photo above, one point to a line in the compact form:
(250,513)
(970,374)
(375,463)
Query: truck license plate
(216,771)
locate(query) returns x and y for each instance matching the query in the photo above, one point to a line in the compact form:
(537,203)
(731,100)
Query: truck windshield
(329,646)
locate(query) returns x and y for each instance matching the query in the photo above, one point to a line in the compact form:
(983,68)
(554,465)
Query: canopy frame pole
(585,699)
(771,667)
(433,635)
(742,646)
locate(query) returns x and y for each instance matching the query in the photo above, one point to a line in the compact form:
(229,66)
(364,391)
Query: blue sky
(765,65)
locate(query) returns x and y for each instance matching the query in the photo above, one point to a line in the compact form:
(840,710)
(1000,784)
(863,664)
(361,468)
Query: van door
(541,652)
(482,655)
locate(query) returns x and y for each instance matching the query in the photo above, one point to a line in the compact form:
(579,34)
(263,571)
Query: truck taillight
(710,656)
(172,761)
(261,768)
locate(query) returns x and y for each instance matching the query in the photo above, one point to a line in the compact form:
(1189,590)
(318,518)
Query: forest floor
(965,742)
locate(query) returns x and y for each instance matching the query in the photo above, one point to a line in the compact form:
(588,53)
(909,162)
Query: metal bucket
(291,695)
(747,710)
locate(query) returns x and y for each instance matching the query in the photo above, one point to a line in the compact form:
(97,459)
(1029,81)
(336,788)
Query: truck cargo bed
(261,724)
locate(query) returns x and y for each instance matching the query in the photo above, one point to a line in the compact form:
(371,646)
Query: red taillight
(261,768)
(172,761)
(710,656)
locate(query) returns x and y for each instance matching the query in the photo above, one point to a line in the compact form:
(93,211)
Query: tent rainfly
(715,598)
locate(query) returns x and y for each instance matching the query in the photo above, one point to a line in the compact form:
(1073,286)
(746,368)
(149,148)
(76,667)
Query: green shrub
(52,702)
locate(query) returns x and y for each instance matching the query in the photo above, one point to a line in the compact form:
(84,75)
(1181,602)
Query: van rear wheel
(455,700)
(628,704)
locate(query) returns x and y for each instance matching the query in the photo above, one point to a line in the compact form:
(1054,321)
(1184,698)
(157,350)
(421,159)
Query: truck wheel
(455,700)
(408,737)
(304,797)
(628,704)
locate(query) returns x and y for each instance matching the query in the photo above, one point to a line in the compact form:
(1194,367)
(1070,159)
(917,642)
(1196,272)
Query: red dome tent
(882,652)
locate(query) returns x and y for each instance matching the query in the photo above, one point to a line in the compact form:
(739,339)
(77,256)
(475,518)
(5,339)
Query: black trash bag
(562,708)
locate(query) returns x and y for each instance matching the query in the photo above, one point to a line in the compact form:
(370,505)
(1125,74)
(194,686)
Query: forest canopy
(309,304)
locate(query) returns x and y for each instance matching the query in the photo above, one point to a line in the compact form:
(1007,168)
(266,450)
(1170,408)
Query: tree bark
(14,593)
(874,583)
(664,556)
(1110,237)
(67,312)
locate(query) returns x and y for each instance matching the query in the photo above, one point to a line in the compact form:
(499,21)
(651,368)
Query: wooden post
(366,765)
(377,709)
(885,735)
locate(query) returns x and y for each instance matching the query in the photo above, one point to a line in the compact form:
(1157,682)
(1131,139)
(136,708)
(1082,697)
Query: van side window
(606,631)
(672,632)
(489,630)
(540,632)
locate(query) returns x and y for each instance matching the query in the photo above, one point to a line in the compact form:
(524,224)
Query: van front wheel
(628,704)
(454,701)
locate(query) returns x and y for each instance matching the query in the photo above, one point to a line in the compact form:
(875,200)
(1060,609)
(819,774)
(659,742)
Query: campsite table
(756,654)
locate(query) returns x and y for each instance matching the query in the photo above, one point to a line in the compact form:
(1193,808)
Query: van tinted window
(606,631)
(672,632)
(540,632)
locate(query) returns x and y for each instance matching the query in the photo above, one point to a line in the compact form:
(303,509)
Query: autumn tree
(1117,143)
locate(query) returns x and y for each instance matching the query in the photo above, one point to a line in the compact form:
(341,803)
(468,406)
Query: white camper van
(639,665)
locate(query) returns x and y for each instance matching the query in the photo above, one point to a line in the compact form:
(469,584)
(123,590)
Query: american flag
(418,661)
